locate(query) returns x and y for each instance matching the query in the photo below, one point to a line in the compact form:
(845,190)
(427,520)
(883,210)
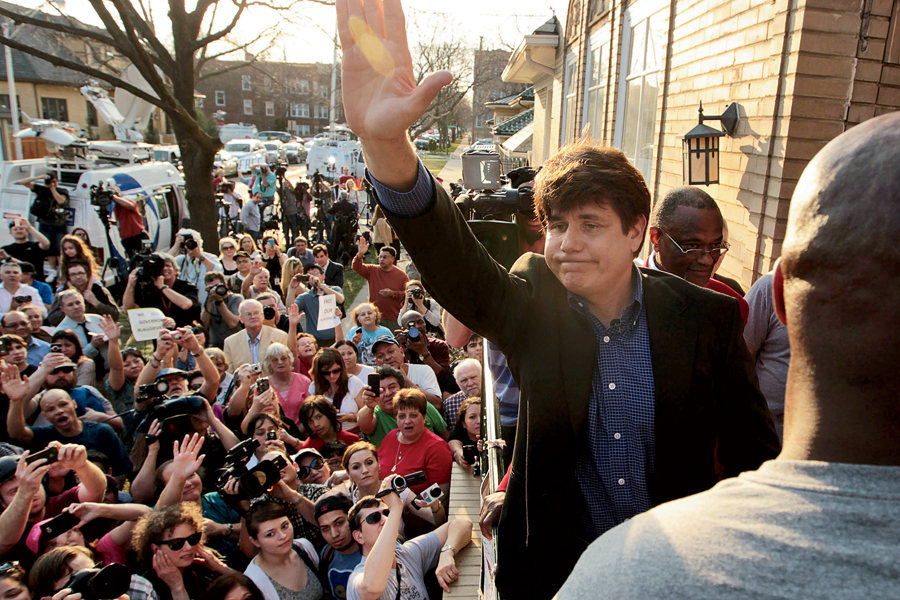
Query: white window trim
(218,103)
(568,76)
(597,42)
(270,108)
(246,105)
(246,83)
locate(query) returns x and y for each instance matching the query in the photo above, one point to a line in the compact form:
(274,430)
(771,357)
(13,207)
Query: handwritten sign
(145,323)
(328,318)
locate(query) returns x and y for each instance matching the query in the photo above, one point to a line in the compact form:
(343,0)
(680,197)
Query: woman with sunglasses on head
(350,354)
(291,388)
(285,568)
(330,379)
(227,247)
(364,469)
(321,419)
(70,346)
(169,543)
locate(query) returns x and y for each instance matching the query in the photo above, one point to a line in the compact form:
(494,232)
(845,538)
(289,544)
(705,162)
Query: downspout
(665,98)
(779,100)
(607,138)
(536,65)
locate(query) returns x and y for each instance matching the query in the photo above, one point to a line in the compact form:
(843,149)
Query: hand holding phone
(51,454)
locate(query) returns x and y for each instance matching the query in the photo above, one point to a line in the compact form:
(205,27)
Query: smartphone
(59,524)
(432,494)
(272,243)
(262,385)
(374,381)
(22,299)
(51,454)
(303,278)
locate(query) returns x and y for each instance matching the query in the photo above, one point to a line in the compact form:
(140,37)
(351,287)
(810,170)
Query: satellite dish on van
(135,110)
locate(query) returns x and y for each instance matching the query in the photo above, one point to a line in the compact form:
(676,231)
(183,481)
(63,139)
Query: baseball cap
(63,364)
(8,466)
(385,339)
(242,254)
(304,451)
(329,502)
(170,371)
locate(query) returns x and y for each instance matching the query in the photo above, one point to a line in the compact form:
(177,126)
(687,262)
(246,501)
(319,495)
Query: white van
(329,157)
(249,152)
(157,186)
(232,131)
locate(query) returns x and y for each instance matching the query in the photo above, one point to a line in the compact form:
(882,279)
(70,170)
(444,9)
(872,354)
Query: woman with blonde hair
(291,388)
(368,329)
(227,247)
(291,267)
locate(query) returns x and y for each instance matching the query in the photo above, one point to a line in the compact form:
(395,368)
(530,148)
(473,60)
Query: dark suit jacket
(334,274)
(708,405)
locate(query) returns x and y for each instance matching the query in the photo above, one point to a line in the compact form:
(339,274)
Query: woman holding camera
(169,543)
(70,346)
(367,318)
(467,431)
(285,568)
(417,300)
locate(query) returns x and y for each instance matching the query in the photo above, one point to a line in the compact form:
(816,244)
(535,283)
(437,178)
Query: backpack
(42,204)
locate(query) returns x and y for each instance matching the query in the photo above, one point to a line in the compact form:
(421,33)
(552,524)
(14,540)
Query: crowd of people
(243,453)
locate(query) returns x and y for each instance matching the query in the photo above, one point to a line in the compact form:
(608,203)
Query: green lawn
(435,162)
(352,280)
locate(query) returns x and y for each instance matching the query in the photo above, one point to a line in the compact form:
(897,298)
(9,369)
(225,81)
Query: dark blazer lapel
(577,365)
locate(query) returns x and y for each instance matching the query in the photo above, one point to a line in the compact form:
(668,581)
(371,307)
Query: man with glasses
(97,299)
(14,293)
(244,265)
(687,233)
(389,570)
(18,323)
(86,327)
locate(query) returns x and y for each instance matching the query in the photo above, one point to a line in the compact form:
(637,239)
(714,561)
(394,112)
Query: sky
(308,38)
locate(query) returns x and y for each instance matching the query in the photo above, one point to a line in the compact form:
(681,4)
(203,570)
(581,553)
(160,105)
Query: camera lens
(221,290)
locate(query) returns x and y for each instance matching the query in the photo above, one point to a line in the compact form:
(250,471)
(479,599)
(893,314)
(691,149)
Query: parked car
(225,161)
(296,152)
(276,151)
(248,152)
(282,136)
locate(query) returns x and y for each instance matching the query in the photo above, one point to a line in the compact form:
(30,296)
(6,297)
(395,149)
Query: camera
(100,584)
(149,267)
(269,313)
(55,348)
(271,435)
(5,347)
(470,453)
(101,195)
(262,385)
(257,480)
(152,391)
(171,409)
(417,293)
(256,368)
(401,482)
(189,242)
(22,299)
(219,289)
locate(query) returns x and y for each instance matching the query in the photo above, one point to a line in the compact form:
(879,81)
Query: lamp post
(11,77)
(700,151)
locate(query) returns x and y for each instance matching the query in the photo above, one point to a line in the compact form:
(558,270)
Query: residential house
(633,74)
(488,87)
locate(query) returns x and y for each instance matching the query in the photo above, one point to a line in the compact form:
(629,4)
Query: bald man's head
(841,254)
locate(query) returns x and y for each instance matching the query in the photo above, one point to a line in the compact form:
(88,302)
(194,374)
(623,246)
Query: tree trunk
(197,158)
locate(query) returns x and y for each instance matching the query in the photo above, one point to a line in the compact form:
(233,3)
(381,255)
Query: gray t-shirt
(250,215)
(414,558)
(218,329)
(767,338)
(791,529)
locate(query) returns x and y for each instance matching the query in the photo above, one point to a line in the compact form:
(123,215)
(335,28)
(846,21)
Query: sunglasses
(10,568)
(227,247)
(178,543)
(315,465)
(332,371)
(63,370)
(375,517)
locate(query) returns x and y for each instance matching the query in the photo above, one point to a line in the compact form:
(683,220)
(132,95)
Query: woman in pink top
(290,388)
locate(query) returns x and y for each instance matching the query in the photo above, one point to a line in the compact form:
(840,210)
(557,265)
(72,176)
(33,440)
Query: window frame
(248,103)
(246,83)
(220,99)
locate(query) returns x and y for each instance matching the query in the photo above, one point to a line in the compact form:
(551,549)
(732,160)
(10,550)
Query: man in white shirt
(72,303)
(194,264)
(13,291)
(249,345)
(387,351)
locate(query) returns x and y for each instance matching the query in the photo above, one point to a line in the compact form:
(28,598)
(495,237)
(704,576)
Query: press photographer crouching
(422,349)
(163,395)
(153,283)
(221,309)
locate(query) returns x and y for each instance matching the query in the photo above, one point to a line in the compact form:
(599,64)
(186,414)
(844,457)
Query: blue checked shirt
(613,479)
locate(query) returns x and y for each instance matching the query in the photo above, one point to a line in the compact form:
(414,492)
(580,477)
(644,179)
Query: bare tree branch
(227,69)
(46,24)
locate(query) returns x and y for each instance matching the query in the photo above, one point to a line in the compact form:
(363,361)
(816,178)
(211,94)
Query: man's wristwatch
(448,547)
(424,356)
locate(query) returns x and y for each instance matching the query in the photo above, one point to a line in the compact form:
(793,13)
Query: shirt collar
(651,262)
(629,315)
(258,338)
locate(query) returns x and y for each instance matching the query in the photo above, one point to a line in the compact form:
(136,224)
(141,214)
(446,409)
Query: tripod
(112,261)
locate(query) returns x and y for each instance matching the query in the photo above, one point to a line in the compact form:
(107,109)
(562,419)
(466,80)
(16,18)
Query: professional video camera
(101,195)
(253,482)
(491,201)
(170,409)
(152,391)
(149,266)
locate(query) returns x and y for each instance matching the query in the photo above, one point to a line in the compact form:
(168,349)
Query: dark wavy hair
(69,336)
(327,358)
(324,406)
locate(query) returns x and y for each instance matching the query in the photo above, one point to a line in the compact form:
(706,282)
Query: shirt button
(580,305)
(606,339)
(618,436)
(612,386)
(621,482)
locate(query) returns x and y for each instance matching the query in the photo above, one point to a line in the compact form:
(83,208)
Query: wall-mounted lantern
(701,147)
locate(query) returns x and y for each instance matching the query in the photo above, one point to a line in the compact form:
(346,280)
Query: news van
(157,186)
(338,149)
(233,131)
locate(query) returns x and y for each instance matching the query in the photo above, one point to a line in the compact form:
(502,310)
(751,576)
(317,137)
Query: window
(91,115)
(323,92)
(161,205)
(270,109)
(596,84)
(293,86)
(55,108)
(245,83)
(304,86)
(200,100)
(248,107)
(220,98)
(304,130)
(268,85)
(295,110)
(645,38)
(4,100)
(567,121)
(304,110)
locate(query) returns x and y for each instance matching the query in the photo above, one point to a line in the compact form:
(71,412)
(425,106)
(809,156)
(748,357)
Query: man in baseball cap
(387,351)
(342,554)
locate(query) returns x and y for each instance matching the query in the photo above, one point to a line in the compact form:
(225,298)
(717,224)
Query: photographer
(423,350)
(194,264)
(310,287)
(159,287)
(264,182)
(131,221)
(220,310)
(51,207)
(22,250)
(417,299)
(232,204)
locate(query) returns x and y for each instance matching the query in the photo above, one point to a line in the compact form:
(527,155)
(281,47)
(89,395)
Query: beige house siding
(801,71)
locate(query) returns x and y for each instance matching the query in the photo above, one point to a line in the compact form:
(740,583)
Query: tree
(171,71)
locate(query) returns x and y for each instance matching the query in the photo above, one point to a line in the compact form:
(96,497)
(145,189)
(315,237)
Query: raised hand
(110,328)
(362,245)
(14,386)
(293,313)
(186,456)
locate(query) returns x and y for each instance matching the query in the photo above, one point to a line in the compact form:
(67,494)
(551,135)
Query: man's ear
(654,238)
(778,291)
(357,536)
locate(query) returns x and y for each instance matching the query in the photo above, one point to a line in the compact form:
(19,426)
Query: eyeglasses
(714,252)
(227,247)
(10,568)
(315,465)
(64,370)
(178,543)
(332,371)
(375,517)
(18,325)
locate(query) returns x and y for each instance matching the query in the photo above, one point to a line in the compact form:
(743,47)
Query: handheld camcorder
(490,202)
(253,482)
(149,266)
(401,482)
